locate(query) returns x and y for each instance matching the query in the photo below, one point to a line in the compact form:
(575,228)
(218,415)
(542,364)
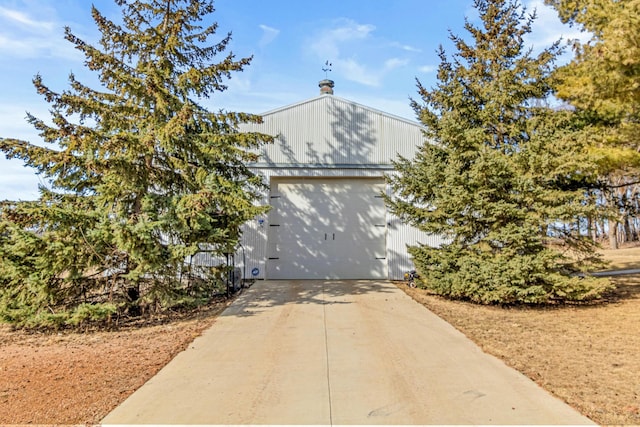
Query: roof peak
(332,100)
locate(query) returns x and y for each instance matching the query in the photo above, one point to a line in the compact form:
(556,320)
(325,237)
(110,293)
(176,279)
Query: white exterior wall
(332,131)
(331,137)
(399,235)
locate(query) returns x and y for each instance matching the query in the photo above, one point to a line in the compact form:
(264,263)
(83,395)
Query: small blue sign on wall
(255,271)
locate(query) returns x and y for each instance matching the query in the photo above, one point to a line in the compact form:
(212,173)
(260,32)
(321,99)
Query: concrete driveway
(337,352)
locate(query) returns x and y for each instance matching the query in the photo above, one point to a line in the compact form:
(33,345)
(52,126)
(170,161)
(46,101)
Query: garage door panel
(327,229)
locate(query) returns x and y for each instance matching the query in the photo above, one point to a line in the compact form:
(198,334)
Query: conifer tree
(142,174)
(499,176)
(602,83)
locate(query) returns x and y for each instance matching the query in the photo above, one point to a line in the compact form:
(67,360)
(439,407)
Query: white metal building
(326,176)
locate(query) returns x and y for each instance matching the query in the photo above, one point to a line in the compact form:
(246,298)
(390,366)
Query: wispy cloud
(17,182)
(427,68)
(269,34)
(329,42)
(405,47)
(337,44)
(393,63)
(13,119)
(24,19)
(239,84)
(356,53)
(23,35)
(349,30)
(547,28)
(357,72)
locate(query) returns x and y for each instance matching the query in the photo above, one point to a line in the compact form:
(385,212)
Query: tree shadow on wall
(343,134)
(324,228)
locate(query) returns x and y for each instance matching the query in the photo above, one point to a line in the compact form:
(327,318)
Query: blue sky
(377,50)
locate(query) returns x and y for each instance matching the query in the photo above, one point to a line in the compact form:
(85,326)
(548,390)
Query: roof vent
(326,87)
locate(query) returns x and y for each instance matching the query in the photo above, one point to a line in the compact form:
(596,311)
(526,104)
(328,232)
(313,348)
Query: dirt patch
(588,356)
(78,378)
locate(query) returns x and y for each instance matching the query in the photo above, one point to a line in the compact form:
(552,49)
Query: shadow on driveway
(282,292)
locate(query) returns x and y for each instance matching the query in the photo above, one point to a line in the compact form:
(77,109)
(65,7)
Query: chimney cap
(326,87)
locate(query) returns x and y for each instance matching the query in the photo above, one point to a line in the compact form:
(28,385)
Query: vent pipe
(326,87)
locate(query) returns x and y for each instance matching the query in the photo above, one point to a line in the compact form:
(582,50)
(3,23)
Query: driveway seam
(326,350)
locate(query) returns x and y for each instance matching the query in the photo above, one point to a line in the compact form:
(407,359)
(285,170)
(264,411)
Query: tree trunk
(133,296)
(613,234)
(628,233)
(592,228)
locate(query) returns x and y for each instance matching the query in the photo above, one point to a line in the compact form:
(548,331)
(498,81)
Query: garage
(327,228)
(325,172)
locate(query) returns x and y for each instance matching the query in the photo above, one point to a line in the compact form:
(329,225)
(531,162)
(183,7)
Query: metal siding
(328,134)
(254,239)
(318,172)
(332,131)
(400,236)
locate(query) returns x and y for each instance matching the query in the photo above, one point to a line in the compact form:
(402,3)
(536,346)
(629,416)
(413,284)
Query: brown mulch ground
(588,356)
(78,378)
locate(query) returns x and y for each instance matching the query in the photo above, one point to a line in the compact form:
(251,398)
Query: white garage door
(327,229)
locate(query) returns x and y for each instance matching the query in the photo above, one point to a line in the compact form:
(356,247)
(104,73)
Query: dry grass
(588,356)
(78,378)
(624,258)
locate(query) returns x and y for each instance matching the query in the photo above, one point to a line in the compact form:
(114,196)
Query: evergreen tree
(602,83)
(500,177)
(142,174)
